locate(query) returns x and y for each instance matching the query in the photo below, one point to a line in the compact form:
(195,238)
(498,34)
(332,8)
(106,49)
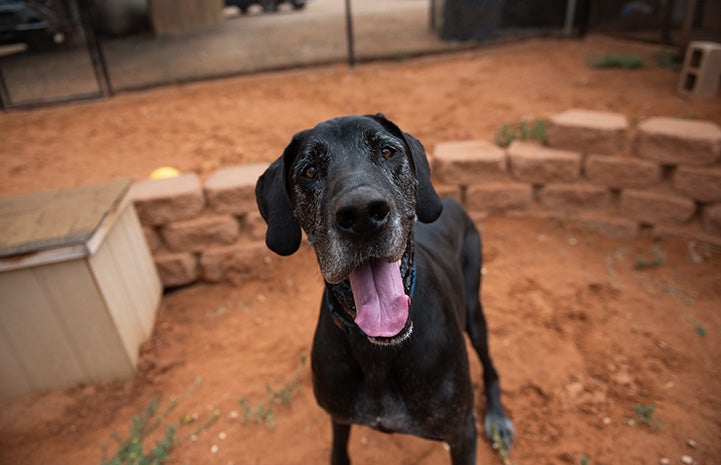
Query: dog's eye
(310,172)
(387,152)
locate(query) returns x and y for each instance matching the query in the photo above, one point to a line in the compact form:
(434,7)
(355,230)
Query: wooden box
(78,288)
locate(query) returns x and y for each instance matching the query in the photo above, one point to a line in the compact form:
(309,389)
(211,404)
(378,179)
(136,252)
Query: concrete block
(499,197)
(467,163)
(702,184)
(588,131)
(449,191)
(161,201)
(232,190)
(621,171)
(237,263)
(540,165)
(177,269)
(201,233)
(675,141)
(701,72)
(153,239)
(576,196)
(253,226)
(656,207)
(711,219)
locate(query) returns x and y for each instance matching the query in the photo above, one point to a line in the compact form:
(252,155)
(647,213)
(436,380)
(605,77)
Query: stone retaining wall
(664,174)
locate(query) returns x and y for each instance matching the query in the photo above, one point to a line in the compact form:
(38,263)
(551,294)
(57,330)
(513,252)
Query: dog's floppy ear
(428,204)
(283,235)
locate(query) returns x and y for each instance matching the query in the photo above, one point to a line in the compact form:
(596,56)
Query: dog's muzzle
(376,297)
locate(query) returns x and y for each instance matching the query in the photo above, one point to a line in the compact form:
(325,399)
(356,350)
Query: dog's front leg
(463,448)
(339,451)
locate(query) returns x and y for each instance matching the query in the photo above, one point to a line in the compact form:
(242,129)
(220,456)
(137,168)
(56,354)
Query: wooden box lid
(57,219)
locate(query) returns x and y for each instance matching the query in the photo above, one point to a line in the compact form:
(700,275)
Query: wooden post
(349,33)
(176,17)
(687,28)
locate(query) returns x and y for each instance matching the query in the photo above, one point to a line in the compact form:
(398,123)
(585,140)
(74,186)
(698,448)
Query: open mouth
(376,295)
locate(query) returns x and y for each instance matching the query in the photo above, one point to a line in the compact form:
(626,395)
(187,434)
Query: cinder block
(467,163)
(541,165)
(575,196)
(703,184)
(237,263)
(177,269)
(701,72)
(160,201)
(232,190)
(656,207)
(587,131)
(711,219)
(676,141)
(499,197)
(621,171)
(611,226)
(201,233)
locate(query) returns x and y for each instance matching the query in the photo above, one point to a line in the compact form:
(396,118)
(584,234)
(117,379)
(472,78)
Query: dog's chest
(384,410)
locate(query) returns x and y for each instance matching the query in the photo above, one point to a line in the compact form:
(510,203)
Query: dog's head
(355,185)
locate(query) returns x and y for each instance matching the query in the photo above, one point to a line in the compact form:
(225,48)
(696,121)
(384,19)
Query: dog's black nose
(363,212)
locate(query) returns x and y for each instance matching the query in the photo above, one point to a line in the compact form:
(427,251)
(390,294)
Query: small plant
(585,460)
(610,60)
(698,326)
(657,259)
(263,411)
(644,415)
(535,130)
(669,59)
(131,450)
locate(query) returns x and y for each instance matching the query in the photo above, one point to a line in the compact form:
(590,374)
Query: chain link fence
(60,50)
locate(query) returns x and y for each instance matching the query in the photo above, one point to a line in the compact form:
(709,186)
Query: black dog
(388,350)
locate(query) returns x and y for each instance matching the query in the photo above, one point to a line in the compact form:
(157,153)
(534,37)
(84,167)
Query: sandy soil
(580,335)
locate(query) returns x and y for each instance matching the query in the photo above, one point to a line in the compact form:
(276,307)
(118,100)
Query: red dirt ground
(579,334)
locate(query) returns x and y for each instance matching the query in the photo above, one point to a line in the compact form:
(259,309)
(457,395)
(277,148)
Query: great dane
(402,276)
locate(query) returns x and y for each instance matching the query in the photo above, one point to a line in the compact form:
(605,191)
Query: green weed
(656,260)
(611,60)
(698,326)
(131,450)
(669,59)
(644,415)
(263,412)
(533,130)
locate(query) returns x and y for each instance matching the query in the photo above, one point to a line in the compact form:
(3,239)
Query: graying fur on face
(315,198)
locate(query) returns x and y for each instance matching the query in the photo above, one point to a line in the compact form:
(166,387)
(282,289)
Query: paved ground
(243,44)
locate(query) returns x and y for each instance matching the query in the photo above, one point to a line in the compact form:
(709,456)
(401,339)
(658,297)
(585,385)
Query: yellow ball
(164,172)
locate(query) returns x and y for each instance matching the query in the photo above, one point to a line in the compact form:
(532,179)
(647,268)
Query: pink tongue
(380,302)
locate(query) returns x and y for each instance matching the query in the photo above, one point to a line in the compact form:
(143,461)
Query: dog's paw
(499,431)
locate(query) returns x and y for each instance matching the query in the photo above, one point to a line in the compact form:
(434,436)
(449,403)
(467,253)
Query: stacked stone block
(209,231)
(664,174)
